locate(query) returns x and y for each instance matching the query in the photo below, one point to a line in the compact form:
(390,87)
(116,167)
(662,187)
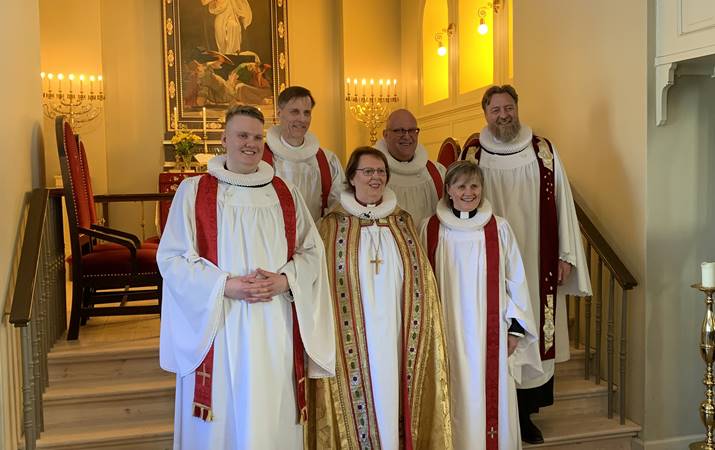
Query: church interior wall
(23,167)
(681,213)
(576,89)
(71,42)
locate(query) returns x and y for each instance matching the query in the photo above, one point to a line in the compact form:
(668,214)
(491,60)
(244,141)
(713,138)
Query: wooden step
(584,432)
(154,435)
(574,366)
(121,403)
(574,395)
(74,362)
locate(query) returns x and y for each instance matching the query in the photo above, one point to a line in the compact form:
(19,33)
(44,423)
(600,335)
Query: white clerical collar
(263,175)
(414,166)
(286,151)
(493,145)
(379,211)
(449,220)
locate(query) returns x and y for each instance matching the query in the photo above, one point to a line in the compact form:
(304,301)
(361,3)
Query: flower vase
(184,163)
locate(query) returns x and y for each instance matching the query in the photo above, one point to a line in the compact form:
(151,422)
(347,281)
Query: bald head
(400,134)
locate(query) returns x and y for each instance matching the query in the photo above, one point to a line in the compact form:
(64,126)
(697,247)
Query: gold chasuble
(342,412)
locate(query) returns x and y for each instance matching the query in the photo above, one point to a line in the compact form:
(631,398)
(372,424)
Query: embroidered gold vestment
(341,409)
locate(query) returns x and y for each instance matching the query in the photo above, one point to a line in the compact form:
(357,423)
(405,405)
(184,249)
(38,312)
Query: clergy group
(390,304)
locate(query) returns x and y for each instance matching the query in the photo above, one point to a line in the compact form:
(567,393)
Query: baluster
(577,325)
(624,335)
(45,300)
(587,334)
(599,309)
(28,389)
(38,388)
(142,221)
(611,307)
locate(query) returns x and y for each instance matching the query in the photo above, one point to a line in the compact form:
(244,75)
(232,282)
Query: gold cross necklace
(376,250)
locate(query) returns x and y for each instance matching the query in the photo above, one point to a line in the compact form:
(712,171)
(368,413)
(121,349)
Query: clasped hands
(258,286)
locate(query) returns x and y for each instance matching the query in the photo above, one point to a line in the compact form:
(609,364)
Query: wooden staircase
(578,418)
(108,396)
(114,396)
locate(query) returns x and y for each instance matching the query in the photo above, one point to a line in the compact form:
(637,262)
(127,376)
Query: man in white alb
(297,157)
(527,185)
(416,181)
(246,301)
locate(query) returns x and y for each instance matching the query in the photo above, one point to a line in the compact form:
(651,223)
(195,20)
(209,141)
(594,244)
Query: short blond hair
(459,169)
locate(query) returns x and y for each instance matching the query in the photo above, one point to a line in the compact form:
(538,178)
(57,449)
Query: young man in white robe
(296,155)
(246,301)
(416,181)
(389,392)
(527,185)
(492,341)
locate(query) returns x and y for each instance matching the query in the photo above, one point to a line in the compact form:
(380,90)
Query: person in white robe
(239,308)
(294,151)
(390,391)
(514,162)
(459,242)
(416,180)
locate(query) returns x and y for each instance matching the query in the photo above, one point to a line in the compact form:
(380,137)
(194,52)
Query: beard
(506,131)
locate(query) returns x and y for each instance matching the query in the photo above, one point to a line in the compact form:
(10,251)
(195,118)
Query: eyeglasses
(369,171)
(401,131)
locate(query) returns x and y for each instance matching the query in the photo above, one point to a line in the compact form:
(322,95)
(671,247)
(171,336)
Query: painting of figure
(226,52)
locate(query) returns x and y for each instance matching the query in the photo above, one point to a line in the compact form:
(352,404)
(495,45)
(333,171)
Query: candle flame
(60,77)
(42,75)
(50,76)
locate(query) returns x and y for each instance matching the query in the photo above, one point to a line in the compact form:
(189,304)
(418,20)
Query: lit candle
(91,84)
(71,78)
(394,86)
(381,87)
(372,87)
(388,88)
(364,82)
(176,119)
(347,87)
(60,77)
(50,76)
(101,83)
(708,274)
(81,83)
(355,87)
(203,117)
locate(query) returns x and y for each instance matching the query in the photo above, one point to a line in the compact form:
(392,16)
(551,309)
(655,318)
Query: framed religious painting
(218,53)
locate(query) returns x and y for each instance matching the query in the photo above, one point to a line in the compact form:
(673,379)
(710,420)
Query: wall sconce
(440,38)
(483,28)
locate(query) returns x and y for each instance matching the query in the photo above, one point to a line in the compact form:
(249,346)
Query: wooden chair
(448,152)
(110,275)
(472,141)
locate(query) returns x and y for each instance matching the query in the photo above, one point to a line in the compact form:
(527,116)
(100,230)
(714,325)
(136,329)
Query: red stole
(206,236)
(436,178)
(326,180)
(548,245)
(491,379)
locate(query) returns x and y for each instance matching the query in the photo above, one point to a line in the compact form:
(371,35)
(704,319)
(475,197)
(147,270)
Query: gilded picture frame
(218,53)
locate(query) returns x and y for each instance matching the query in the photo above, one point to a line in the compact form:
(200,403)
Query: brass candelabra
(369,104)
(80,99)
(707,352)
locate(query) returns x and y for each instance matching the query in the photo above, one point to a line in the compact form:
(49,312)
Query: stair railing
(39,308)
(598,250)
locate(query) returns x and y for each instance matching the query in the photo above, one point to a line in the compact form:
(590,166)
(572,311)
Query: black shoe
(530,433)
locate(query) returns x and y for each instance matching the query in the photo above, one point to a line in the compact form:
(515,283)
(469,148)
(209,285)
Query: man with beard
(527,185)
(416,181)
(296,155)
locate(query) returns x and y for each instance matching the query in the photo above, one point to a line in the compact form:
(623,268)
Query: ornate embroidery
(549,326)
(545,155)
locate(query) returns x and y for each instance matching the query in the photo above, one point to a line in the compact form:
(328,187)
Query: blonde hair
(459,169)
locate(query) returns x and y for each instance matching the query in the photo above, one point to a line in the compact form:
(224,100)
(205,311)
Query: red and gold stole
(491,388)
(424,397)
(206,237)
(548,241)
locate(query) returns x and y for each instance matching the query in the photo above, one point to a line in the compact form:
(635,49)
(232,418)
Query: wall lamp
(441,37)
(483,28)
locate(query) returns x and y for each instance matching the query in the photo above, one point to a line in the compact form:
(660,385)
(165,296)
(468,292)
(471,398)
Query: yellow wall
(581,78)
(70,41)
(476,51)
(21,120)
(435,68)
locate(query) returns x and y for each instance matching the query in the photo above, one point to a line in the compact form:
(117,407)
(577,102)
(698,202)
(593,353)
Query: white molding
(677,443)
(664,79)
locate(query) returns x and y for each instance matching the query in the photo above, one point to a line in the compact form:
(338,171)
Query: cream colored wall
(371,48)
(23,163)
(314,46)
(581,76)
(70,42)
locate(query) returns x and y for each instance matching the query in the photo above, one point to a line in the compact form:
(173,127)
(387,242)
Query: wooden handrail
(21,309)
(623,276)
(112,198)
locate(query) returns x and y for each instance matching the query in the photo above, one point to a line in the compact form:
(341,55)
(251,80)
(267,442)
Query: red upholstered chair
(472,141)
(448,152)
(113,276)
